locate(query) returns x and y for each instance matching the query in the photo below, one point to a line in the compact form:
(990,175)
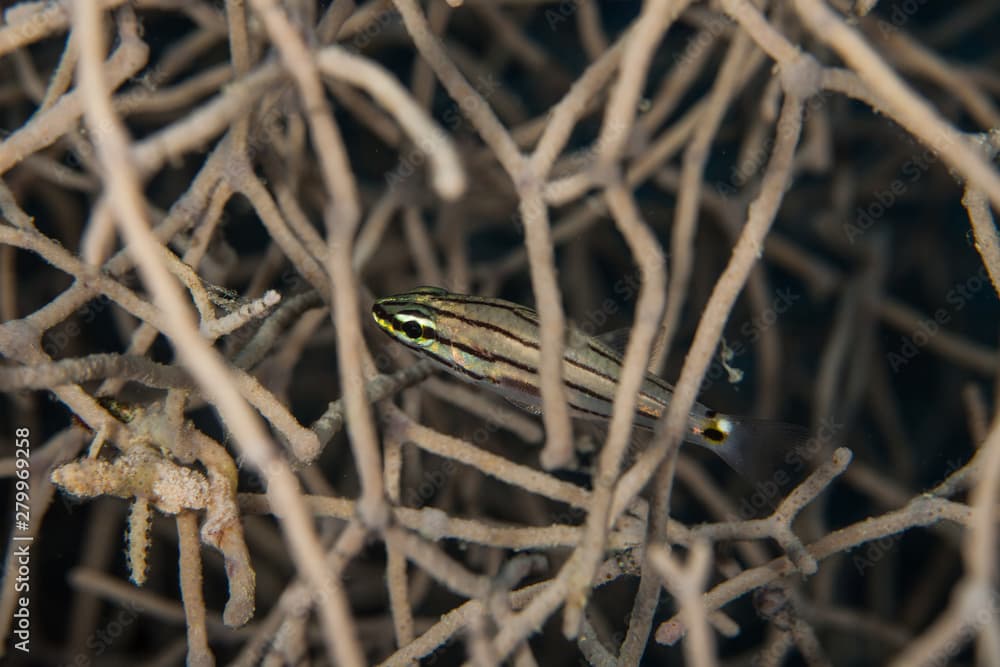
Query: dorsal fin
(616,340)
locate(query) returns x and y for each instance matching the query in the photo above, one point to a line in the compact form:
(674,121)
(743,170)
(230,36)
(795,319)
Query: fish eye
(412,329)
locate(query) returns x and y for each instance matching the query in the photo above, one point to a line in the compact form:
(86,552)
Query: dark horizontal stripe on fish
(482,301)
(655,379)
(417,300)
(520,386)
(523,387)
(468,372)
(471,321)
(610,356)
(529,320)
(513,363)
(585,411)
(661,383)
(521,312)
(513,336)
(527,343)
(533,391)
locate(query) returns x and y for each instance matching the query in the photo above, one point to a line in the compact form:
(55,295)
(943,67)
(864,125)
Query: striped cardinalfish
(495,343)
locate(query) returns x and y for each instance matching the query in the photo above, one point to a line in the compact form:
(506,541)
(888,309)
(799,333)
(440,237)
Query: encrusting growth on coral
(145,474)
(789,205)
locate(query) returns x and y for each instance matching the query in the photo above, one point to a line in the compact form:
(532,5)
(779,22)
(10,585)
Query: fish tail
(756,447)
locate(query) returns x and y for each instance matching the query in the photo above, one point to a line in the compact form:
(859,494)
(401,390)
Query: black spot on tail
(714,435)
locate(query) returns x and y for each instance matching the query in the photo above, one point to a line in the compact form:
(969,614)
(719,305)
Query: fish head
(409,319)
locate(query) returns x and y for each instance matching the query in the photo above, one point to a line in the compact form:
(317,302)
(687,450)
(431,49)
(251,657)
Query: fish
(495,344)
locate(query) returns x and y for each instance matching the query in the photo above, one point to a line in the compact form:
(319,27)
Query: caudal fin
(758,448)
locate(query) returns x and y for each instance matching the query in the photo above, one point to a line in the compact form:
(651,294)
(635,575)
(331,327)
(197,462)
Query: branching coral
(308,156)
